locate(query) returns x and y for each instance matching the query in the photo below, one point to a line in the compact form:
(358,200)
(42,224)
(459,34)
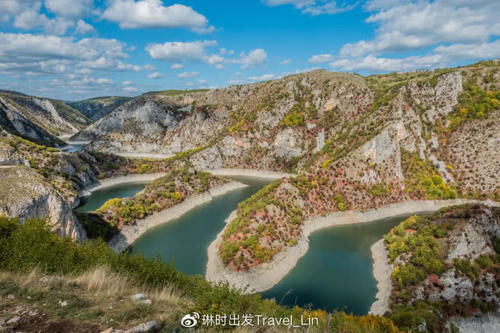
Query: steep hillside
(55,117)
(16,123)
(26,194)
(444,265)
(413,143)
(98,107)
(356,143)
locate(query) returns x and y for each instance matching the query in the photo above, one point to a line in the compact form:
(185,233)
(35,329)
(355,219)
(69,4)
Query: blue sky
(74,49)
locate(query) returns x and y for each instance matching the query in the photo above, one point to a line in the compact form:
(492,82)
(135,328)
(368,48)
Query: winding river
(98,197)
(184,241)
(336,272)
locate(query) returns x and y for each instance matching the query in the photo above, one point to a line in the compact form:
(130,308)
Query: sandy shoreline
(248,173)
(267,275)
(108,182)
(145,155)
(131,233)
(382,271)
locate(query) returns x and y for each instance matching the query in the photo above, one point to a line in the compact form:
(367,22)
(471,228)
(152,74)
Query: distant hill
(98,107)
(173,92)
(39,119)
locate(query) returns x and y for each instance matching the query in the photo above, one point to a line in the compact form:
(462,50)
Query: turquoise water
(184,241)
(97,198)
(336,272)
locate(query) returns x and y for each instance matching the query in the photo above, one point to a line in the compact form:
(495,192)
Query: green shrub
(409,317)
(379,189)
(96,227)
(24,247)
(422,178)
(294,119)
(466,267)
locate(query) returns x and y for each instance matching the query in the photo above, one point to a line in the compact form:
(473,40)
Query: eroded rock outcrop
(25,194)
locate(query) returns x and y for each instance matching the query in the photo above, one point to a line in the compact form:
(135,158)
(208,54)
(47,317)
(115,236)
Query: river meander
(336,272)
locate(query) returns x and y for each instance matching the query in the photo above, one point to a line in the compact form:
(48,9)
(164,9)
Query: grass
(98,295)
(97,284)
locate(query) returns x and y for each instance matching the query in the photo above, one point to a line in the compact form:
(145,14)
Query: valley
(251,186)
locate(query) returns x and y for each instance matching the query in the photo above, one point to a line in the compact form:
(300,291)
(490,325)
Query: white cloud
(32,19)
(81,82)
(254,58)
(214,59)
(54,54)
(83,71)
(155,75)
(286,62)
(470,51)
(442,56)
(235,81)
(463,34)
(152,14)
(29,19)
(180,51)
(75,9)
(11,7)
(414,25)
(262,77)
(27,14)
(130,89)
(83,28)
(374,64)
(314,7)
(177,66)
(186,75)
(127,83)
(203,81)
(320,58)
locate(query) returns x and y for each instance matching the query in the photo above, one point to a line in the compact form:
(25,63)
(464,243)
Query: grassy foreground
(87,287)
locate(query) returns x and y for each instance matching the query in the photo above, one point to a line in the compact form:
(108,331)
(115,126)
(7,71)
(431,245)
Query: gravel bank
(382,273)
(249,173)
(145,155)
(131,233)
(108,182)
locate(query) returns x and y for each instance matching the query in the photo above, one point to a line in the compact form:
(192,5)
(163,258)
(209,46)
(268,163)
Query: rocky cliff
(443,266)
(40,119)
(25,194)
(14,122)
(356,143)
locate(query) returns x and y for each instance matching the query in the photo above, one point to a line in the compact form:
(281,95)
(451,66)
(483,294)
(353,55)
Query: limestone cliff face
(273,124)
(68,173)
(39,119)
(467,242)
(25,194)
(14,122)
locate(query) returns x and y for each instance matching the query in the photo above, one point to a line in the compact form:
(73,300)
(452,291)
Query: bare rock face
(13,121)
(25,194)
(468,242)
(8,156)
(475,237)
(286,144)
